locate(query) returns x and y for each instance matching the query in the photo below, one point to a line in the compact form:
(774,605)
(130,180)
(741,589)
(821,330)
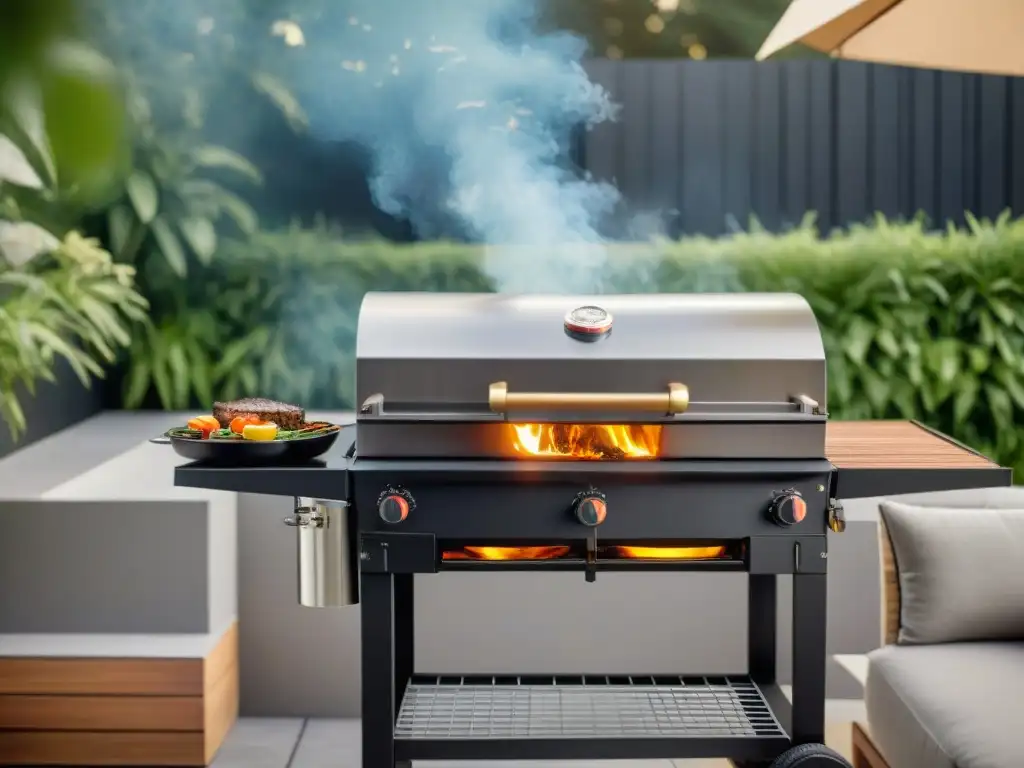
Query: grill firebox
(663,433)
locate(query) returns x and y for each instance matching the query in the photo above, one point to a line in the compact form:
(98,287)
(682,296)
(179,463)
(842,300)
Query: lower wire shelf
(524,717)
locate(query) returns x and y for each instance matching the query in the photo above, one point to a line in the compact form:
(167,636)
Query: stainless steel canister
(327,557)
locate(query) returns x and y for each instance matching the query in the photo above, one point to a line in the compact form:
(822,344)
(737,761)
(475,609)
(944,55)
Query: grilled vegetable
(204,425)
(265,431)
(239,423)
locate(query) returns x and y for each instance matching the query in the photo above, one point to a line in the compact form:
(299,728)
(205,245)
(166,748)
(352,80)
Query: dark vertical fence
(706,143)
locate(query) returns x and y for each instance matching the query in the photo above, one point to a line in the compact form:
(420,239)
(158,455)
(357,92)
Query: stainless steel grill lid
(648,358)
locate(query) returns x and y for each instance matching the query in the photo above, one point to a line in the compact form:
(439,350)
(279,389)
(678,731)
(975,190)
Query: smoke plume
(468,111)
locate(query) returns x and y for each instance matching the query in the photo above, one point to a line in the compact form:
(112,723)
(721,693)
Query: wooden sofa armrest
(890,582)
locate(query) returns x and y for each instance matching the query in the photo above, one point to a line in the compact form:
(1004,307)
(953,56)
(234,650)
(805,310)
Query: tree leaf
(857,339)
(240,211)
(143,194)
(22,241)
(119,222)
(201,236)
(213,156)
(15,167)
(137,382)
(180,375)
(170,246)
(282,98)
(963,402)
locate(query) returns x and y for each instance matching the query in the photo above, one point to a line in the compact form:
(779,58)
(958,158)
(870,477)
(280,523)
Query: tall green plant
(61,296)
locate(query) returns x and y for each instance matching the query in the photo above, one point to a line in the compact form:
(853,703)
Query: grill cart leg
(404,635)
(380,681)
(809,622)
(762,616)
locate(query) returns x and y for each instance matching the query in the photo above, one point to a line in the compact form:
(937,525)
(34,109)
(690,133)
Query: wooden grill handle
(675,399)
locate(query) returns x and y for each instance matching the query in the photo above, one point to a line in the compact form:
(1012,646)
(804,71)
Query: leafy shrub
(917,324)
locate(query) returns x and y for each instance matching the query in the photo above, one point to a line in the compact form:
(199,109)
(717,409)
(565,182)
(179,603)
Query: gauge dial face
(589,322)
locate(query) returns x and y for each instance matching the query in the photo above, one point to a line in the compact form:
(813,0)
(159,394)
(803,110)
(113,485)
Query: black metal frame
(662,501)
(390,560)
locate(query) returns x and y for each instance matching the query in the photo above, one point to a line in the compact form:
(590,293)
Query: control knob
(787,508)
(590,508)
(394,505)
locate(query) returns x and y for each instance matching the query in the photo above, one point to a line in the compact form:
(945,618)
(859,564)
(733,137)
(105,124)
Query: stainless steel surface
(675,400)
(602,708)
(782,439)
(328,574)
(446,349)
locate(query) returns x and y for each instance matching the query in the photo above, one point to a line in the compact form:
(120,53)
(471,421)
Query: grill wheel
(810,756)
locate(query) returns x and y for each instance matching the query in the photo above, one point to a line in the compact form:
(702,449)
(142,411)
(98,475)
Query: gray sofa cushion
(961,572)
(947,706)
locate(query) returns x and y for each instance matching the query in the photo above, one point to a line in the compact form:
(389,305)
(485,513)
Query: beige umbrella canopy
(967,35)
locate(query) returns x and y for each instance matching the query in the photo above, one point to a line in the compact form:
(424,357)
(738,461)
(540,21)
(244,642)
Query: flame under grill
(586,441)
(567,552)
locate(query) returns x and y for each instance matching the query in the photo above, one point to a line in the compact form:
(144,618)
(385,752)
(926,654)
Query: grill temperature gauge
(590,508)
(394,505)
(788,508)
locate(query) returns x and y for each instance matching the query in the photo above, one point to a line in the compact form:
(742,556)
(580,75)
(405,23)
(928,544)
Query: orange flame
(506,553)
(671,553)
(587,441)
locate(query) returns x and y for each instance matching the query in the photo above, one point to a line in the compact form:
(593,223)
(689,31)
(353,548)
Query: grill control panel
(394,505)
(590,508)
(787,508)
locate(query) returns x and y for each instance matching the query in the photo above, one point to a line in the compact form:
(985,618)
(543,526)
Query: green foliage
(68,301)
(917,324)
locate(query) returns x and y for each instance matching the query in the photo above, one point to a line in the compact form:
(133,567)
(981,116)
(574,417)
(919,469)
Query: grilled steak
(284,415)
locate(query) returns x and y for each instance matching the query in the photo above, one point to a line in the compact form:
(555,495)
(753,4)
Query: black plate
(244,452)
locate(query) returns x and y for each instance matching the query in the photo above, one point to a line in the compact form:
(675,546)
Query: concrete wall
(96,540)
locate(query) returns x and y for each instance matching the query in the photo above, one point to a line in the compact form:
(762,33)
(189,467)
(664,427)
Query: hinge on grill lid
(836,516)
(807,405)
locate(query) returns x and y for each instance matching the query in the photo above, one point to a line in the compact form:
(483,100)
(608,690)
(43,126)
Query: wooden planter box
(117,709)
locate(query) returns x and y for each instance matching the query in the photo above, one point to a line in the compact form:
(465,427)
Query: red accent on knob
(393,509)
(799,509)
(591,510)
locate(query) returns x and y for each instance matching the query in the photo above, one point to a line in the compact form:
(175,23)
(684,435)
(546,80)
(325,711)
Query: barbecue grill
(591,434)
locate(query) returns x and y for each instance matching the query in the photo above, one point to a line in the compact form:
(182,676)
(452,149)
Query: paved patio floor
(297,743)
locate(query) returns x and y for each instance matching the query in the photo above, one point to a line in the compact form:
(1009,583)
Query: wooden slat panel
(891,601)
(949,173)
(993,164)
(666,81)
(924,190)
(101,713)
(634,171)
(865,754)
(108,749)
(821,147)
(221,659)
(221,711)
(853,132)
(768,144)
(894,445)
(796,140)
(884,145)
(702,149)
(221,698)
(129,677)
(738,139)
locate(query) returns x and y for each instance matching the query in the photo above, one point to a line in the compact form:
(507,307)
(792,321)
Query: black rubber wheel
(810,756)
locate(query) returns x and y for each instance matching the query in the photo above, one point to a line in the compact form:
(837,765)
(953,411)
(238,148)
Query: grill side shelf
(325,478)
(882,458)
